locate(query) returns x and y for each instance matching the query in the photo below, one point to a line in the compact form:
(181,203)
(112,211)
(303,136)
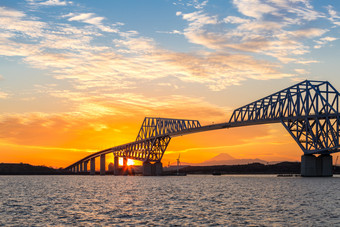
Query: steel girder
(154,127)
(308,110)
(152,140)
(150,150)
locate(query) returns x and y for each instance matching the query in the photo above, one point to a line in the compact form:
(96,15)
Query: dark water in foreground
(190,200)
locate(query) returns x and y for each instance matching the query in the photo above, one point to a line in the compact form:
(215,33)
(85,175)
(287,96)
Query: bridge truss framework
(308,110)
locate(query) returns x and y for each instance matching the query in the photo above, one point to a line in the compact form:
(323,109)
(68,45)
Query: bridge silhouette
(308,110)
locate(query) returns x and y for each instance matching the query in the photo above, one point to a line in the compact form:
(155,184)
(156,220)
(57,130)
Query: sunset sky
(80,76)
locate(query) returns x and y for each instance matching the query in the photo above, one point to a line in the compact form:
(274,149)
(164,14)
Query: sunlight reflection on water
(191,200)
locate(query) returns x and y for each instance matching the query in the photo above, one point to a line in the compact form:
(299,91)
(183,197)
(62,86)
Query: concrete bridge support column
(77,168)
(152,169)
(116,165)
(147,169)
(102,164)
(92,166)
(85,166)
(124,170)
(326,163)
(312,166)
(81,166)
(158,168)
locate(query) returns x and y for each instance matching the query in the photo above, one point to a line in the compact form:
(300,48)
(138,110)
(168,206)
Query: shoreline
(282,168)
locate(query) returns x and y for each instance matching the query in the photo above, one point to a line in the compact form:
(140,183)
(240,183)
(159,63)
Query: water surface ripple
(170,201)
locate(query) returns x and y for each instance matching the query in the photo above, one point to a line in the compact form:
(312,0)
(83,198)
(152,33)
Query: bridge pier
(116,165)
(123,170)
(312,166)
(158,166)
(92,166)
(125,166)
(102,164)
(85,166)
(155,169)
(147,169)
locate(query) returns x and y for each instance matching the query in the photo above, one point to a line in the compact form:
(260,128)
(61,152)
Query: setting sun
(130,162)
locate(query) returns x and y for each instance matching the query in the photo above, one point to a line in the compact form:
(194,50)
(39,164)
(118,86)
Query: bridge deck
(308,110)
(197,130)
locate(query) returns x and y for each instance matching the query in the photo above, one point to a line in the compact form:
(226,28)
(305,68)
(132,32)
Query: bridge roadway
(82,164)
(308,110)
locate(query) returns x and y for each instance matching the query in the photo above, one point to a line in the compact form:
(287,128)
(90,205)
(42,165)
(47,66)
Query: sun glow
(130,162)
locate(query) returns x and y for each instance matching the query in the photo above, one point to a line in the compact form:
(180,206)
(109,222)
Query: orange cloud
(95,125)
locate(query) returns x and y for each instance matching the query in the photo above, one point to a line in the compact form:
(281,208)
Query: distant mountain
(224,159)
(232,162)
(222,156)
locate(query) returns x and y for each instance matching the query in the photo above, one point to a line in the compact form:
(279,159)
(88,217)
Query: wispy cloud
(45,147)
(278,29)
(323,41)
(69,53)
(236,46)
(90,18)
(99,116)
(170,32)
(302,71)
(3,95)
(254,8)
(333,16)
(49,2)
(14,21)
(197,4)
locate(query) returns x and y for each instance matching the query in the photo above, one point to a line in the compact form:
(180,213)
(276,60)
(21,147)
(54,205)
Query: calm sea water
(190,200)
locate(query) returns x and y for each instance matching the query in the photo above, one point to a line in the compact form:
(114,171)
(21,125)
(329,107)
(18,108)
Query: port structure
(309,111)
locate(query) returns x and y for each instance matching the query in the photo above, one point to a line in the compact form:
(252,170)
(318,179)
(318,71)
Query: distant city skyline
(80,76)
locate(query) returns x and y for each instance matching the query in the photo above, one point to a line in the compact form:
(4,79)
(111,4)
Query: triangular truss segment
(150,150)
(308,110)
(154,127)
(153,139)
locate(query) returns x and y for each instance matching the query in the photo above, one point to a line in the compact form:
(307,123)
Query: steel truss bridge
(309,111)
